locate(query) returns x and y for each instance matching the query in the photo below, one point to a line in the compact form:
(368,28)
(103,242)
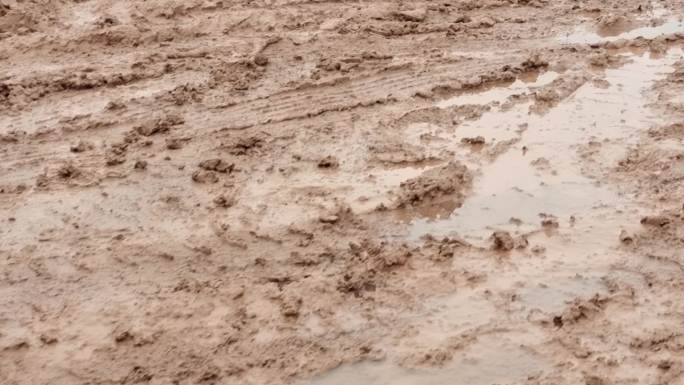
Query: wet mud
(278,192)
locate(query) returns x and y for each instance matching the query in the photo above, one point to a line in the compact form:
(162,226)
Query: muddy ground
(356,192)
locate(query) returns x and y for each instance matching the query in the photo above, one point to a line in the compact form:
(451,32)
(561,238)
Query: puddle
(553,296)
(493,359)
(500,94)
(587,35)
(542,172)
(453,315)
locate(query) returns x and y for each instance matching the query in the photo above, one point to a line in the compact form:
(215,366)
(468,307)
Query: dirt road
(355,192)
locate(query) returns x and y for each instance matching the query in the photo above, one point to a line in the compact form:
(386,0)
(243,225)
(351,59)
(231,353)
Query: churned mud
(302,192)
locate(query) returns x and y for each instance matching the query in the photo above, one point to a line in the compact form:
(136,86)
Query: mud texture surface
(341,192)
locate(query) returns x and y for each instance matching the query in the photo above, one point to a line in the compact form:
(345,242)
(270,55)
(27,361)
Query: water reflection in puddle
(542,173)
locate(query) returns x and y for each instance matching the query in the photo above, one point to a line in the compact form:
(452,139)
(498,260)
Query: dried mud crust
(189,189)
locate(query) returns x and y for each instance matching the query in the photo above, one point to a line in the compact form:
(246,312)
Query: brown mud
(302,192)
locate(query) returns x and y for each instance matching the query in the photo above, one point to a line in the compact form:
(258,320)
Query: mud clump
(68,171)
(116,154)
(205,177)
(174,144)
(245,146)
(291,306)
(225,201)
(140,165)
(474,141)
(504,241)
(159,125)
(549,221)
(368,263)
(450,180)
(261,60)
(81,146)
(329,162)
(534,62)
(580,310)
(656,220)
(218,165)
(626,238)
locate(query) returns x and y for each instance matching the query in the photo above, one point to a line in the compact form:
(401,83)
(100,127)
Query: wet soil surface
(302,192)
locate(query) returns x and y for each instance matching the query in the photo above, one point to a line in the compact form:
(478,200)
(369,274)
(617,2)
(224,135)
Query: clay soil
(341,192)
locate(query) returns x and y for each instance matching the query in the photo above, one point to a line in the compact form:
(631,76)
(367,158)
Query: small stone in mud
(656,220)
(474,141)
(224,201)
(82,146)
(261,60)
(201,176)
(330,219)
(329,162)
(503,241)
(218,165)
(140,165)
(68,171)
(174,144)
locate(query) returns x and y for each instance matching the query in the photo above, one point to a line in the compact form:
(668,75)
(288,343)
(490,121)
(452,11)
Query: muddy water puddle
(492,359)
(542,172)
(500,94)
(589,35)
